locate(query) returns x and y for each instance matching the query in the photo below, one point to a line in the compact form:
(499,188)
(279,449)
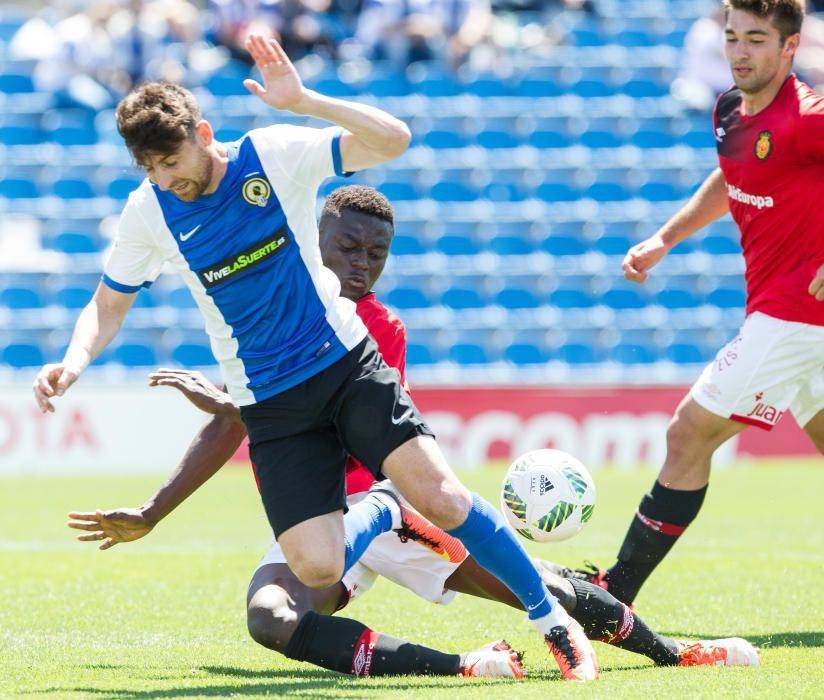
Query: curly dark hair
(786,15)
(157,118)
(358,198)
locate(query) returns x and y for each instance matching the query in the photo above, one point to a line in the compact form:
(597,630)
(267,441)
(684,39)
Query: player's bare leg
(815,429)
(675,499)
(420,473)
(322,564)
(288,617)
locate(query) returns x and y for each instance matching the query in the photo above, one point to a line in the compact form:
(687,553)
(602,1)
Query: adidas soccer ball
(547,495)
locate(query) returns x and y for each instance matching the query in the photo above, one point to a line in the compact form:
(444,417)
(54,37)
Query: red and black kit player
(285,615)
(769,130)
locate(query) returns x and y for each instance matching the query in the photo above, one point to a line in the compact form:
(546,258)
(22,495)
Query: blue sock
(362,523)
(495,547)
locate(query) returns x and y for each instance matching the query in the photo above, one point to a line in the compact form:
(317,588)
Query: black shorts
(299,439)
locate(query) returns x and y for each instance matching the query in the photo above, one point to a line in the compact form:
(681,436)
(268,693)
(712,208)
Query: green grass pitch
(164,617)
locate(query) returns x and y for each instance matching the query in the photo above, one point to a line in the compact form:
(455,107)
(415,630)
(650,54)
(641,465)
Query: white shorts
(408,564)
(770,367)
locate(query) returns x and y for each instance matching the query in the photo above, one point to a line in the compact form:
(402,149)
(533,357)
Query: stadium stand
(514,204)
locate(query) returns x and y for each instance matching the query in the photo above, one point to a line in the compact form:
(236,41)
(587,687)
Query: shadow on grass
(778,639)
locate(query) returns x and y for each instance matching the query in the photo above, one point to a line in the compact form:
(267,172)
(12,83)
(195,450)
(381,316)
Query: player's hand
(199,390)
(52,380)
(282,87)
(111,526)
(642,257)
(816,287)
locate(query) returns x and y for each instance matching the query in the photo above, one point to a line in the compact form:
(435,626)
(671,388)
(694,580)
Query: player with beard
(356,230)
(769,130)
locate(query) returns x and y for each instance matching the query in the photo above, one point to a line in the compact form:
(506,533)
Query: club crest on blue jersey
(256,191)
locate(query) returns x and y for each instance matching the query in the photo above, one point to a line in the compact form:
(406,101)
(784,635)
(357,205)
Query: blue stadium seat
(387,87)
(17,188)
(557,192)
(624,298)
(727,298)
(540,81)
(418,354)
(73,242)
(660,192)
(21,298)
(541,138)
(15,83)
(72,189)
(453,192)
(141,355)
(653,138)
(398,191)
(488,86)
(468,354)
(22,355)
(720,245)
(607,192)
(73,135)
(595,138)
(451,244)
(700,138)
(564,245)
(20,135)
(612,244)
(525,354)
(635,39)
(122,187)
(497,191)
(517,298)
(407,298)
(193,355)
(494,139)
(677,298)
(437,138)
(511,245)
(586,36)
(578,354)
(73,297)
(592,88)
(632,354)
(226,84)
(572,299)
(685,353)
(407,245)
(645,88)
(462,298)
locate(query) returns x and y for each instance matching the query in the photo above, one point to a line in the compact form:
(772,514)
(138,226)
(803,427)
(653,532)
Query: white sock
(558,617)
(392,504)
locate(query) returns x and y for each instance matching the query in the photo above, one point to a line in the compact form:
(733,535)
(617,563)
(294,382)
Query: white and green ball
(547,495)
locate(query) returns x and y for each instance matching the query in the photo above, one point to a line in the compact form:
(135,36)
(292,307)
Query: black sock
(349,646)
(606,619)
(661,519)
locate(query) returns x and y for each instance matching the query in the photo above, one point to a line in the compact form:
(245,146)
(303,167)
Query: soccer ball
(547,495)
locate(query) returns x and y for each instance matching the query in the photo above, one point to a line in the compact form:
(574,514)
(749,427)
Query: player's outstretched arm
(97,324)
(211,448)
(709,203)
(199,390)
(371,135)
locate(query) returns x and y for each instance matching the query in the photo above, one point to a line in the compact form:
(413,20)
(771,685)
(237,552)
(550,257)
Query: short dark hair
(157,118)
(786,15)
(361,199)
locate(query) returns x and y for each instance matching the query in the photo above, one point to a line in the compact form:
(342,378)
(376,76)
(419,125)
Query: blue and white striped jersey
(249,254)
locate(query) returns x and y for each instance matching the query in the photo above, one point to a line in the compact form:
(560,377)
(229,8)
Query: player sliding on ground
(237,221)
(356,229)
(769,130)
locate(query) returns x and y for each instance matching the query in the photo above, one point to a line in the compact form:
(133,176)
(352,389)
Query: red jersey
(773,163)
(390,335)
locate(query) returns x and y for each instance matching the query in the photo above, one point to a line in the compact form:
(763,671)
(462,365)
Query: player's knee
(318,573)
(446,508)
(272,625)
(683,441)
(557,586)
